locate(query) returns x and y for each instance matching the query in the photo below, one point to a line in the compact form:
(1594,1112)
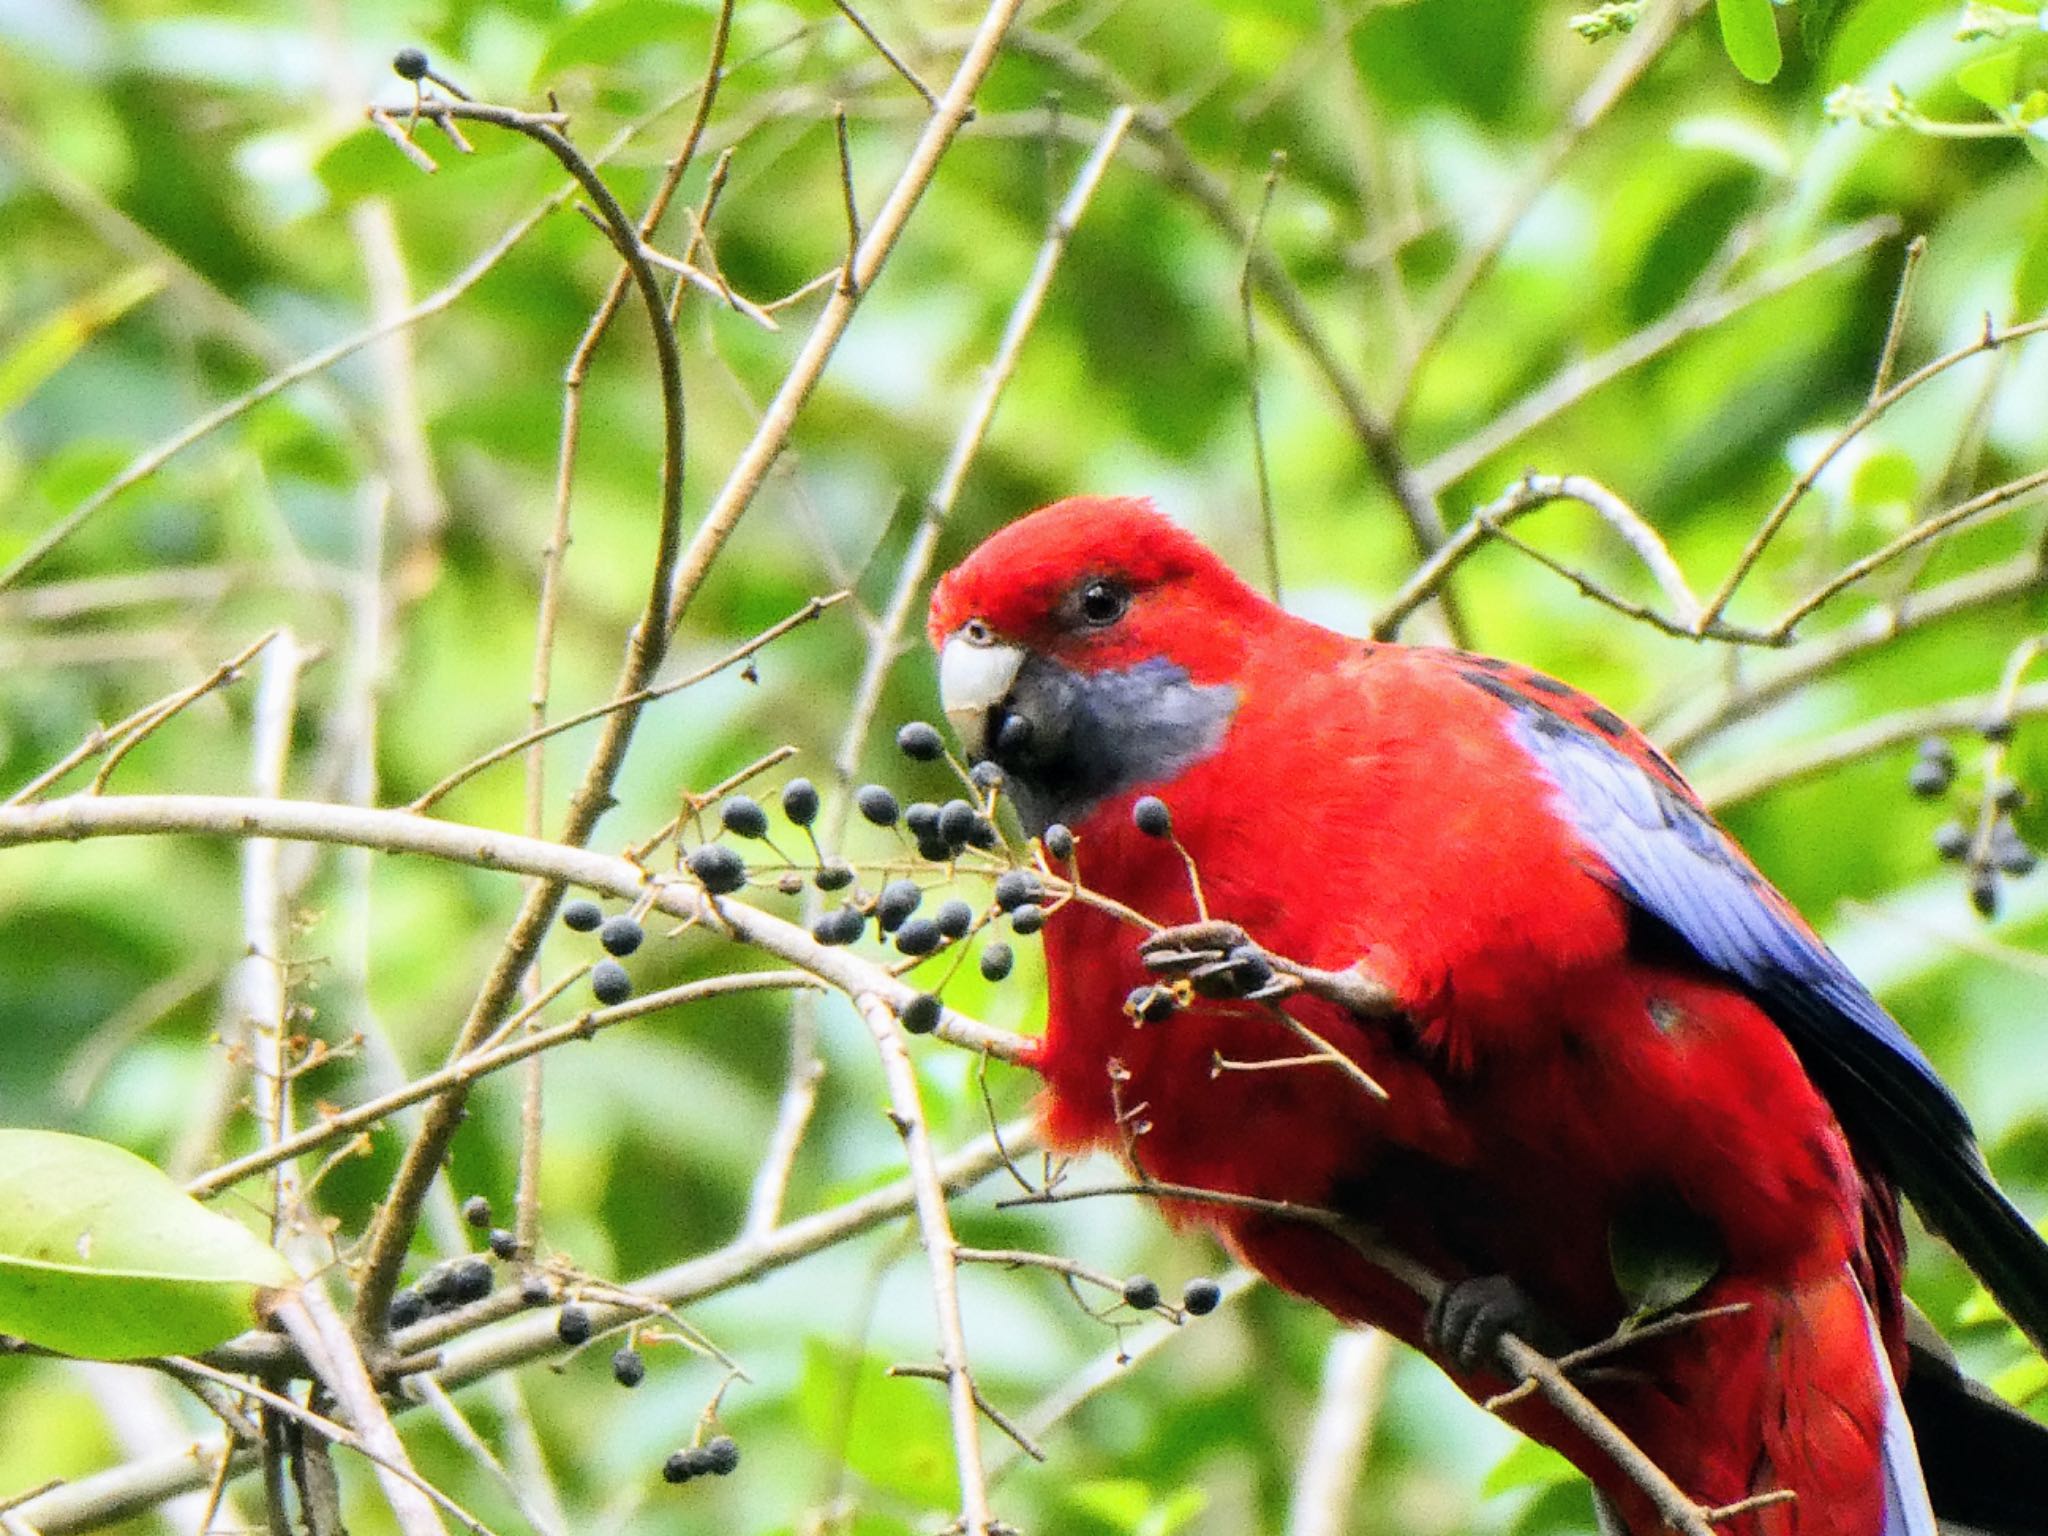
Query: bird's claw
(1470,1318)
(1218,960)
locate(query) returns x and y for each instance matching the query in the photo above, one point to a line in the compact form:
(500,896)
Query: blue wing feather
(1665,855)
(1649,839)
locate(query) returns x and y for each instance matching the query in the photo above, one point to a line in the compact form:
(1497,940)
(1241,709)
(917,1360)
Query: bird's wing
(1652,841)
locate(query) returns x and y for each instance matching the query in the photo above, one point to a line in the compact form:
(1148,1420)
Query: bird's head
(1088,649)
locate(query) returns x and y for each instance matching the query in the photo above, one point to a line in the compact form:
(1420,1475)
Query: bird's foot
(1471,1317)
(1219,960)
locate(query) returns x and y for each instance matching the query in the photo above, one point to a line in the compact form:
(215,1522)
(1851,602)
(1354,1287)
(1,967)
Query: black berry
(407,1308)
(1984,892)
(718,868)
(836,875)
(954,918)
(983,833)
(1997,728)
(410,64)
(934,850)
(621,935)
(437,1287)
(921,1014)
(742,816)
(1150,1004)
(921,818)
(609,983)
(572,1324)
(996,961)
(534,1291)
(2009,851)
(628,1369)
(1151,817)
(876,804)
(984,776)
(472,1280)
(476,1210)
(1059,842)
(1930,777)
(1141,1293)
(800,802)
(504,1243)
(582,915)
(1952,840)
(1028,919)
(721,1456)
(2006,795)
(842,925)
(956,822)
(918,936)
(682,1466)
(1014,887)
(898,900)
(920,743)
(1201,1297)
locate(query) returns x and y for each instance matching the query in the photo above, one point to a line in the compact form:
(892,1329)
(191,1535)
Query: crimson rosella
(1586,1039)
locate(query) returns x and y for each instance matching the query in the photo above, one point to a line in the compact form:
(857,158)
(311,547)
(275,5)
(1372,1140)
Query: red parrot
(1602,1040)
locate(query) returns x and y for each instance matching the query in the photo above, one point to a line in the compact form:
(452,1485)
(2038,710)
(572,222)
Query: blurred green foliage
(187,196)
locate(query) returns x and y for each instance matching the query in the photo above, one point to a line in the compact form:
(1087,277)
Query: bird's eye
(1102,603)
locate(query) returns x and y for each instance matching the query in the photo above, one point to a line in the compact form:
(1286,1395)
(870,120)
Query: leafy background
(187,197)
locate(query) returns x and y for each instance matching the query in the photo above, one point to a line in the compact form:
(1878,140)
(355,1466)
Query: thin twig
(1527,495)
(1902,304)
(1990,339)
(1764,772)
(1347,1406)
(1821,656)
(634,700)
(311,1323)
(1678,1511)
(1576,381)
(1615,80)
(391,1231)
(139,724)
(1269,536)
(906,1112)
(480,1064)
(2013,493)
(750,469)
(894,60)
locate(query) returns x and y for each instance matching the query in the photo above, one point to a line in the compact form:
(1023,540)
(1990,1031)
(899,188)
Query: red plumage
(1368,805)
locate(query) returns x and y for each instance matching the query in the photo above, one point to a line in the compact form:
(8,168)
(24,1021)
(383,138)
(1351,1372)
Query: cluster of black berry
(1987,842)
(454,1282)
(716,1457)
(1198,1298)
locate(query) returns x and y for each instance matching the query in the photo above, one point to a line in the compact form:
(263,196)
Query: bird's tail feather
(1986,1463)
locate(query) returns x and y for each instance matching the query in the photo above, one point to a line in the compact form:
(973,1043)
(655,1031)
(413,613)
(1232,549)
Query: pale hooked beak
(975,675)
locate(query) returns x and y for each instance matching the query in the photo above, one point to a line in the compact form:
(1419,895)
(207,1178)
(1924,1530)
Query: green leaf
(892,1430)
(1528,1465)
(1993,78)
(2029,764)
(612,29)
(1886,478)
(1131,1506)
(1817,22)
(1663,1255)
(26,365)
(102,1256)
(1749,31)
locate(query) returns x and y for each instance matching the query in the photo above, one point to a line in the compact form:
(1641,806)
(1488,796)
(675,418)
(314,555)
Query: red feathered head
(1089,647)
